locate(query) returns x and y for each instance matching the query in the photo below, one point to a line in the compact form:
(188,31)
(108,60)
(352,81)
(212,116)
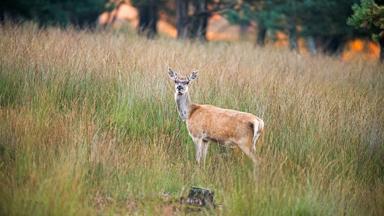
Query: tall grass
(88,126)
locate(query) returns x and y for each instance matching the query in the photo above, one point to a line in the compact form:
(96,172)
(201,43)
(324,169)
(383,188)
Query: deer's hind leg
(248,151)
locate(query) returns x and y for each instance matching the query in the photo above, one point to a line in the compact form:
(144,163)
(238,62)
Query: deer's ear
(172,74)
(193,75)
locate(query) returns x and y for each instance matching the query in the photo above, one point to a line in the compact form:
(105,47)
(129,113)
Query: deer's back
(214,123)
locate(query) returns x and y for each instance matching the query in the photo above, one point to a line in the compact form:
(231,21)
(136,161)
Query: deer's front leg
(205,145)
(199,148)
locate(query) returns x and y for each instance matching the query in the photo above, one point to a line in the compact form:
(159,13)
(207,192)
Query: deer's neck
(183,104)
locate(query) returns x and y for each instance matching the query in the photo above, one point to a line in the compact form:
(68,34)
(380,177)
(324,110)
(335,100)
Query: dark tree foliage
(324,22)
(53,12)
(327,22)
(369,16)
(241,15)
(265,13)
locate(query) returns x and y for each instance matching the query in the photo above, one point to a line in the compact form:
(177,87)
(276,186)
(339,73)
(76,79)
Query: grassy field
(88,126)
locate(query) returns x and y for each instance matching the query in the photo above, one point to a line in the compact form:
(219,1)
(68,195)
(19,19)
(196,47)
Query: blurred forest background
(88,123)
(335,27)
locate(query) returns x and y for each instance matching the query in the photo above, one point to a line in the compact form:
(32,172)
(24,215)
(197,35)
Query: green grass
(88,125)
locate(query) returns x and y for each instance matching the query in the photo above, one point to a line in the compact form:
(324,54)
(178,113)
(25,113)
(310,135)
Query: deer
(207,123)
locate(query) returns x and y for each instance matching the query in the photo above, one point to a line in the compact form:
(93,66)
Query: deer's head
(181,83)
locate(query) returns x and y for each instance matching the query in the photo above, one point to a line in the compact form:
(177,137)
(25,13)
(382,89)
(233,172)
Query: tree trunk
(148,16)
(311,45)
(292,34)
(153,17)
(243,30)
(381,43)
(333,45)
(143,19)
(182,21)
(200,20)
(261,34)
(113,16)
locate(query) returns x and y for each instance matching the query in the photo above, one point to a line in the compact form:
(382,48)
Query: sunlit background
(307,27)
(220,29)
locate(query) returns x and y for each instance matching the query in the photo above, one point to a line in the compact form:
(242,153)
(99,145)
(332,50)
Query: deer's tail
(258,129)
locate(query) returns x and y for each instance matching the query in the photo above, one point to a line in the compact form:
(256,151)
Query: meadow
(88,126)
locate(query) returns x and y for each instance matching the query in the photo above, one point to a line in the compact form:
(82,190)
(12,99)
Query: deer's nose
(179,88)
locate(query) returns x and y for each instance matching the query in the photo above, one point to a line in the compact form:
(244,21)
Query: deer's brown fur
(210,123)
